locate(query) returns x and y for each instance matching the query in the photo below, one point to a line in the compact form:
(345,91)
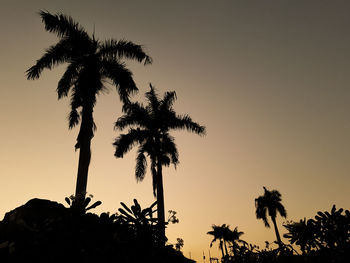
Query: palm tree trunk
(225,247)
(222,249)
(273,219)
(160,204)
(83,167)
(84,145)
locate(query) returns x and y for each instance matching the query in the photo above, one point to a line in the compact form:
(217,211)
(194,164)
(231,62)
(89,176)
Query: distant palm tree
(234,237)
(218,233)
(149,127)
(270,203)
(90,63)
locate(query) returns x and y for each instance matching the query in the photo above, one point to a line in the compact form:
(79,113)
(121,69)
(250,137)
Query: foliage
(72,202)
(324,239)
(172,218)
(327,234)
(140,223)
(303,234)
(137,216)
(59,234)
(179,244)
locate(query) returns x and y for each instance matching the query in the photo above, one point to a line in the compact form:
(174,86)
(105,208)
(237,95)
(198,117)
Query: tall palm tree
(90,63)
(149,126)
(270,203)
(218,233)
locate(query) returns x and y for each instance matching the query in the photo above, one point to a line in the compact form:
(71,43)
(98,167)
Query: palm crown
(269,203)
(90,63)
(149,127)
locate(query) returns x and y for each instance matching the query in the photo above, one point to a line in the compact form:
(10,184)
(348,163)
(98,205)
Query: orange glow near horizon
(270,81)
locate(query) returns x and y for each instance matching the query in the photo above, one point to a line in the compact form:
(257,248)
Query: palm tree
(149,126)
(234,236)
(270,203)
(90,63)
(225,235)
(218,233)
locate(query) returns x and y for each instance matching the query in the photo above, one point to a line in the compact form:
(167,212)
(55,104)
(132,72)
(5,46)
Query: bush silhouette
(46,231)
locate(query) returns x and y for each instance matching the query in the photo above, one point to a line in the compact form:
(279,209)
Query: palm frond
(63,25)
(185,122)
(275,195)
(123,49)
(281,210)
(165,160)
(169,147)
(136,115)
(141,165)
(133,107)
(168,100)
(126,207)
(125,142)
(121,78)
(73,118)
(234,235)
(67,80)
(154,176)
(76,97)
(54,55)
(266,222)
(75,102)
(261,210)
(153,99)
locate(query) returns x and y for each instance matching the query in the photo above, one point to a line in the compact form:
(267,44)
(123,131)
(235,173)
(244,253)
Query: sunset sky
(269,80)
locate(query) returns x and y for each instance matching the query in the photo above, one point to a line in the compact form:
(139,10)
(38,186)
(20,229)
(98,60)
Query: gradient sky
(269,80)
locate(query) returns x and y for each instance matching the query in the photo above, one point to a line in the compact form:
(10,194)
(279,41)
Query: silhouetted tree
(218,233)
(90,63)
(270,203)
(303,234)
(233,237)
(149,127)
(333,229)
(226,235)
(329,231)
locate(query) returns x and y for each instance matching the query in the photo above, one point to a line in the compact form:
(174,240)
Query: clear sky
(268,79)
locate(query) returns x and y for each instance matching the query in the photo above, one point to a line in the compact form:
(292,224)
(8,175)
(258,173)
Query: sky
(268,79)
